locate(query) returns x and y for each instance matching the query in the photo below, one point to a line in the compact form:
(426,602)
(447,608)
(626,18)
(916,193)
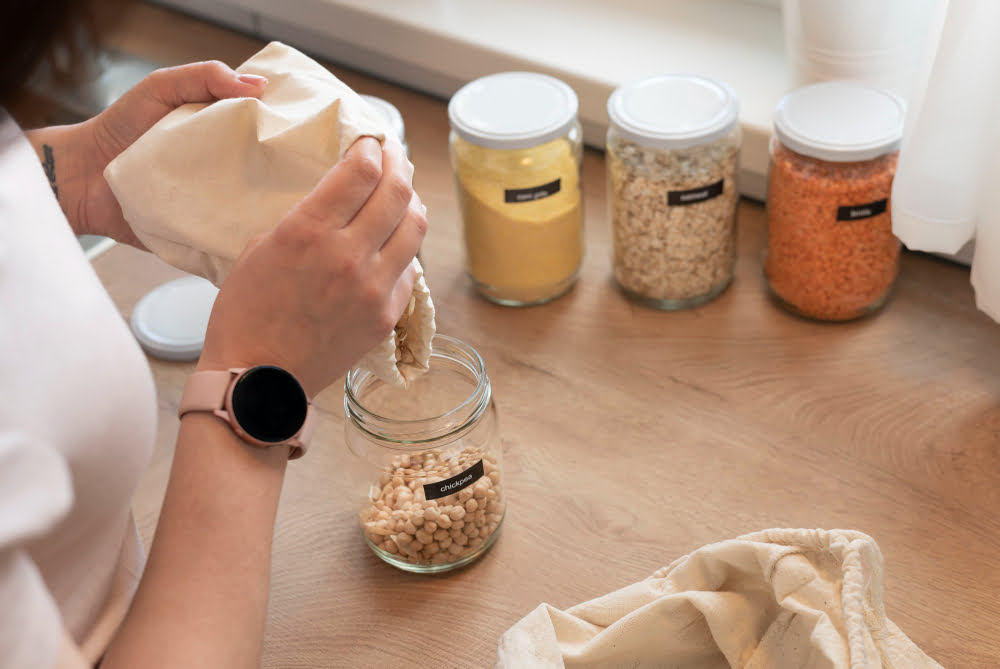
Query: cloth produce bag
(210,176)
(776,599)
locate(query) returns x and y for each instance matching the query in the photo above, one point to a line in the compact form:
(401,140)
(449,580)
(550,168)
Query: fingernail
(423,207)
(252,79)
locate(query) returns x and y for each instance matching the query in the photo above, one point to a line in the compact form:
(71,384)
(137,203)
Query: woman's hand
(331,279)
(75,156)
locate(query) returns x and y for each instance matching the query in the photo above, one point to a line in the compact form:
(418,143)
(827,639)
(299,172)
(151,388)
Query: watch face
(269,404)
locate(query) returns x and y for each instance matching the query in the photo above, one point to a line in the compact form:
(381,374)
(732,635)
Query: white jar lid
(673,111)
(513,110)
(840,121)
(391,114)
(171,320)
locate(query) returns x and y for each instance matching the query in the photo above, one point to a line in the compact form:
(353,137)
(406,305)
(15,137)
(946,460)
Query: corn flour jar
(672,147)
(831,252)
(427,461)
(516,151)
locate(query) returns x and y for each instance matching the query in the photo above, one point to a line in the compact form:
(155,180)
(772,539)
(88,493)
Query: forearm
(202,601)
(62,166)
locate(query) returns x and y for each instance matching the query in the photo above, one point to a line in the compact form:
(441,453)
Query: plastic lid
(673,111)
(392,115)
(513,110)
(170,321)
(840,121)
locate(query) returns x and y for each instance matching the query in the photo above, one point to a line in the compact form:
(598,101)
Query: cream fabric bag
(208,177)
(776,599)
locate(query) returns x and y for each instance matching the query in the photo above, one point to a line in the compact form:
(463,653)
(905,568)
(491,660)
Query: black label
(694,195)
(532,194)
(446,487)
(858,211)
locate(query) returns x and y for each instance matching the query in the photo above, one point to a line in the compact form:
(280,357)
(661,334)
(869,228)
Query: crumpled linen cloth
(775,599)
(210,176)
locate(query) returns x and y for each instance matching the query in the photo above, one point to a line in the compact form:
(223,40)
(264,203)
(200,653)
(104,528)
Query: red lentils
(819,265)
(831,252)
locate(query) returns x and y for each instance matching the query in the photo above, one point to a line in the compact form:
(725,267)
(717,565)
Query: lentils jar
(831,253)
(672,147)
(427,461)
(516,151)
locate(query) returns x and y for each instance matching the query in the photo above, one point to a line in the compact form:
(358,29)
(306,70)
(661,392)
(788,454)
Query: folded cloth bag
(210,176)
(776,599)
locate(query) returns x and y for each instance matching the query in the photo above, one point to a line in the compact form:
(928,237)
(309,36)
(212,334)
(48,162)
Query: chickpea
(456,513)
(441,534)
(424,537)
(471,505)
(444,521)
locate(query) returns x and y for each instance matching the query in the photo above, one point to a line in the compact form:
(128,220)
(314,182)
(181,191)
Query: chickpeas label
(464,479)
(854,212)
(695,195)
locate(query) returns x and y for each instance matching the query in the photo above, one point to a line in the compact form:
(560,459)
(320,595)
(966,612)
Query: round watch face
(269,404)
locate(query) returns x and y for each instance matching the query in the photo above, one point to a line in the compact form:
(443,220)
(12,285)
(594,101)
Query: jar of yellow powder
(516,152)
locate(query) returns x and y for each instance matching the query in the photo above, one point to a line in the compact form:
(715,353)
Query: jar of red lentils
(831,253)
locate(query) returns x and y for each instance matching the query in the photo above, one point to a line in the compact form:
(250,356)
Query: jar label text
(695,195)
(858,211)
(440,489)
(513,195)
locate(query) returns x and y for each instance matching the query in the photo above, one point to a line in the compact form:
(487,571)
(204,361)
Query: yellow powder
(526,251)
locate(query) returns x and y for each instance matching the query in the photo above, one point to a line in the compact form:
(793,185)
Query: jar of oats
(516,151)
(427,461)
(831,253)
(672,147)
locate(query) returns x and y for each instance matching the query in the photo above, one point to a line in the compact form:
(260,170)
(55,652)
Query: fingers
(344,189)
(389,204)
(400,249)
(201,82)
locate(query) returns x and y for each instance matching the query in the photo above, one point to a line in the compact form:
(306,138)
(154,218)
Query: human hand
(331,280)
(75,156)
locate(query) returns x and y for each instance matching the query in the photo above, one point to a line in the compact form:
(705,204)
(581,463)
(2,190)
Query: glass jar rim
(427,429)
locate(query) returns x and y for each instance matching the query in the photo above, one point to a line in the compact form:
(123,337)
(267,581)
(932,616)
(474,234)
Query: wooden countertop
(633,436)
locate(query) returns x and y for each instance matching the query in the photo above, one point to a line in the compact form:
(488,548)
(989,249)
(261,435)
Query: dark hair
(31,31)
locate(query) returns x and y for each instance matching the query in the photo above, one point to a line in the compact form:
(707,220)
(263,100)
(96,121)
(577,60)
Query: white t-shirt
(77,426)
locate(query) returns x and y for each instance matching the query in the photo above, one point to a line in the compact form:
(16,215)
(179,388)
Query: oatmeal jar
(427,461)
(672,147)
(831,252)
(516,151)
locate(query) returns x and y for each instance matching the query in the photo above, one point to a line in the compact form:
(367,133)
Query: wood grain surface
(633,436)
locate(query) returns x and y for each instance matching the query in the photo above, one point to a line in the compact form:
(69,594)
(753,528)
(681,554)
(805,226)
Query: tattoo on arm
(50,168)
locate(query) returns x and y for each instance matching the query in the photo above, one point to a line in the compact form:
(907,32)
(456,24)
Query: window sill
(438,45)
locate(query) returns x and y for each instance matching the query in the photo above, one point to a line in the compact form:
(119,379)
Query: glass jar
(673,143)
(516,151)
(831,252)
(427,461)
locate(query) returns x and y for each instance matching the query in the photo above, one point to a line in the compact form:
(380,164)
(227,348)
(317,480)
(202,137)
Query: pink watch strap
(207,391)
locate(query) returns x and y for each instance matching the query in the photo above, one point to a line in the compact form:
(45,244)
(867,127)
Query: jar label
(446,487)
(858,211)
(695,195)
(512,195)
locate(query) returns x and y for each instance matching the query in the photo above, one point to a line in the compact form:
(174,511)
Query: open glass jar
(427,461)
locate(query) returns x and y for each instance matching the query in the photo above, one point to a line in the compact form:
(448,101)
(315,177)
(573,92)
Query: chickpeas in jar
(427,462)
(831,252)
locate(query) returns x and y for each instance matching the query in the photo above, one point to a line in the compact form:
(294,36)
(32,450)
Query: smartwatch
(264,405)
